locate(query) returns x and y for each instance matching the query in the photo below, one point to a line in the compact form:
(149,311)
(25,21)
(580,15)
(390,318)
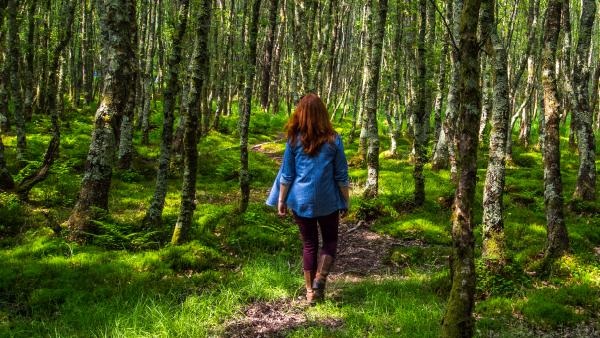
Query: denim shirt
(314,181)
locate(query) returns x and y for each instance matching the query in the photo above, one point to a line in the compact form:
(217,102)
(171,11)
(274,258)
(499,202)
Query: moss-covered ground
(127,282)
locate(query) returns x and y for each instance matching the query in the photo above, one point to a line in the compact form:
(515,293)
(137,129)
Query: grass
(128,283)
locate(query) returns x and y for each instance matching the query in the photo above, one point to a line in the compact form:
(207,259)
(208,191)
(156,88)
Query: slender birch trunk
(458,320)
(372,186)
(558,240)
(153,216)
(586,142)
(244,122)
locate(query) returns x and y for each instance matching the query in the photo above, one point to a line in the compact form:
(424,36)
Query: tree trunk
(458,320)
(148,75)
(445,149)
(586,176)
(28,72)
(15,83)
(153,216)
(371,190)
(558,241)
(277,51)
(420,111)
(268,56)
(441,83)
(199,73)
(493,191)
(88,43)
(487,97)
(6,180)
(118,23)
(244,122)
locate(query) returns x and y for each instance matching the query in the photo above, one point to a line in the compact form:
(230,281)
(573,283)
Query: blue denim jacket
(314,180)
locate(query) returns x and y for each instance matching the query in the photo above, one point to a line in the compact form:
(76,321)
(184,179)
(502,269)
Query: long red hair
(310,122)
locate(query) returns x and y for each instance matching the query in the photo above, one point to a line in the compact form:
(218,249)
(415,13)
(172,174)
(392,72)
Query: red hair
(310,122)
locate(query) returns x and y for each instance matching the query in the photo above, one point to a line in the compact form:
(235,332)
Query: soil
(275,319)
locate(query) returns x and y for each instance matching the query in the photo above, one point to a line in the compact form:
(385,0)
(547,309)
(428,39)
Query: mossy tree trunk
(493,191)
(4,78)
(586,142)
(13,56)
(458,319)
(244,123)
(374,67)
(420,111)
(445,150)
(557,241)
(6,180)
(441,83)
(268,55)
(199,74)
(153,216)
(28,85)
(117,21)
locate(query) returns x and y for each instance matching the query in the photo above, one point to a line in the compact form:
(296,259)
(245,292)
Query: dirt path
(362,254)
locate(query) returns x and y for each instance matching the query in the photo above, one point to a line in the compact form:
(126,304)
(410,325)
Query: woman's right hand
(282,209)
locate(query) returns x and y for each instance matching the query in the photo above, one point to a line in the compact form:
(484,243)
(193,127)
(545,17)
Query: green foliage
(130,176)
(123,236)
(30,168)
(259,229)
(420,257)
(12,212)
(190,256)
(135,285)
(498,279)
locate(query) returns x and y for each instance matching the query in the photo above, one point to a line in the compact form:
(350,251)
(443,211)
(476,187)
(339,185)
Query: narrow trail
(362,254)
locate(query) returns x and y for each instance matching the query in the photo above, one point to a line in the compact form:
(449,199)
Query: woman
(313,183)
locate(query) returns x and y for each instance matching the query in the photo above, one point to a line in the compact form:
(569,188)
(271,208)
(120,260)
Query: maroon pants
(310,237)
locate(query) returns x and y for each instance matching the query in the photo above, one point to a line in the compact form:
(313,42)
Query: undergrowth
(128,281)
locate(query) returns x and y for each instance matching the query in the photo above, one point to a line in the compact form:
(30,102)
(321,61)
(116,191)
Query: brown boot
(318,286)
(309,276)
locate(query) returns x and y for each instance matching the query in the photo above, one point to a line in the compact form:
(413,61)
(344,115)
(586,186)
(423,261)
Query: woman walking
(313,183)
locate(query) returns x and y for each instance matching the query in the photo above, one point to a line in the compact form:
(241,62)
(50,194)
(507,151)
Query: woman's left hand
(282,209)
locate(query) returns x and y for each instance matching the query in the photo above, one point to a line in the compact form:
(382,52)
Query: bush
(508,279)
(11,213)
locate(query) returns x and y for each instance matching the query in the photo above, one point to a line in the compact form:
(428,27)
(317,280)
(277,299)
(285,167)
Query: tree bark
(6,180)
(118,23)
(28,71)
(441,83)
(277,52)
(458,320)
(15,83)
(445,154)
(148,74)
(557,241)
(493,191)
(244,122)
(583,113)
(268,56)
(371,190)
(199,73)
(153,216)
(420,111)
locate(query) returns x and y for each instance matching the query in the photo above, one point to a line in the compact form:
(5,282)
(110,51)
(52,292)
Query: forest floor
(240,275)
